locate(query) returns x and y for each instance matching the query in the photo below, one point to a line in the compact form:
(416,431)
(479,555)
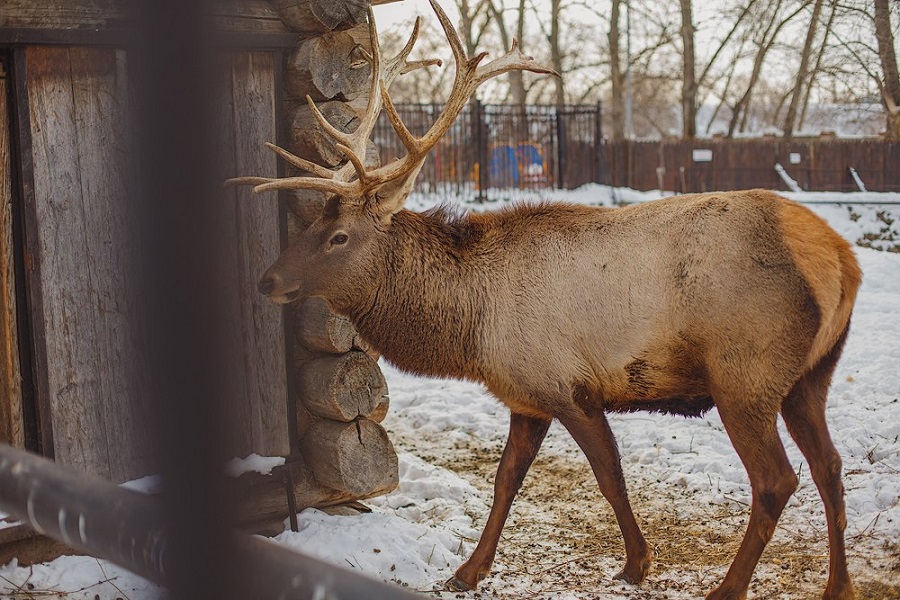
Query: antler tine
(334,132)
(408,139)
(247,181)
(514,59)
(400,65)
(329,186)
(301,163)
(358,165)
(459,54)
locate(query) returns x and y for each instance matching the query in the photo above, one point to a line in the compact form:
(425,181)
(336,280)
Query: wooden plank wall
(78,102)
(83,269)
(11,416)
(246,120)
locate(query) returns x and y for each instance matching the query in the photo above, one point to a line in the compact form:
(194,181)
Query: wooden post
(12,429)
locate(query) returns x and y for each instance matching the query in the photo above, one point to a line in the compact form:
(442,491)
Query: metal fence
(491,148)
(500,147)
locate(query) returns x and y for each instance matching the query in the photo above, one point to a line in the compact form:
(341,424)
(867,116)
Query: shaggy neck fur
(427,321)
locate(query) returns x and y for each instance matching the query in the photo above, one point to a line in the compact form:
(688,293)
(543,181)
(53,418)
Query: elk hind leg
(526,434)
(804,414)
(752,428)
(593,435)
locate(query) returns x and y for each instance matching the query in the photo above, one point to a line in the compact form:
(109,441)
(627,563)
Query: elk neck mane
(434,271)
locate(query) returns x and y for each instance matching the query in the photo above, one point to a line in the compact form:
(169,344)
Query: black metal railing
(494,147)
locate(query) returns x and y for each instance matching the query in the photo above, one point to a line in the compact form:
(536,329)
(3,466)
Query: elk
(738,300)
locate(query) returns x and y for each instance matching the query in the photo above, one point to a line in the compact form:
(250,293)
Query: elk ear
(390,197)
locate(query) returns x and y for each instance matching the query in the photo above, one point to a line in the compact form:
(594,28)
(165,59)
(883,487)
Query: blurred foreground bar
(130,529)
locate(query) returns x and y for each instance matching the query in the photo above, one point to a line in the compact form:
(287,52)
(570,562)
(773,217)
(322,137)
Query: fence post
(558,113)
(598,143)
(481,152)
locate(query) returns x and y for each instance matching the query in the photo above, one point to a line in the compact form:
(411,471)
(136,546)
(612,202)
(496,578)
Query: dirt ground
(562,538)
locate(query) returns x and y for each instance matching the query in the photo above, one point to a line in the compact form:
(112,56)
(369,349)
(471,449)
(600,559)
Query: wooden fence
(705,165)
(501,147)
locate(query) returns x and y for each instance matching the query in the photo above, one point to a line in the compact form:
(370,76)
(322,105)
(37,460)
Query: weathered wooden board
(77,101)
(230,15)
(247,119)
(11,419)
(78,105)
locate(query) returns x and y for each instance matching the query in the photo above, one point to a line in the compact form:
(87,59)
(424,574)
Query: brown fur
(733,299)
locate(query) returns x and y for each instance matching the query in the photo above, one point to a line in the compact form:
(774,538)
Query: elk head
(360,202)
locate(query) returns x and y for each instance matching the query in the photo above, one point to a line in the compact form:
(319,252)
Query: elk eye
(339,239)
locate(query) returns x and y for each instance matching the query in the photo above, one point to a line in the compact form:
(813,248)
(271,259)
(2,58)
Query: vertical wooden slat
(258,238)
(80,149)
(69,333)
(105,147)
(11,416)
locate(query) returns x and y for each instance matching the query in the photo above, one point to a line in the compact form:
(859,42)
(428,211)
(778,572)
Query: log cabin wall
(342,395)
(70,81)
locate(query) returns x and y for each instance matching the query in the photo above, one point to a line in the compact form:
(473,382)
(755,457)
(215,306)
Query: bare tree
(617,76)
(688,77)
(556,53)
(516,80)
(790,117)
(890,84)
(769,33)
(474,18)
(818,66)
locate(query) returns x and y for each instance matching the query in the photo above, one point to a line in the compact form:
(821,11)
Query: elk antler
(469,75)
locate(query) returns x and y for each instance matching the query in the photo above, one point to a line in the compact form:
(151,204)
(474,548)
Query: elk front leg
(525,437)
(592,434)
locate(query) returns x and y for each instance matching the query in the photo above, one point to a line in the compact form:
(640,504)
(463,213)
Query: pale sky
(387,15)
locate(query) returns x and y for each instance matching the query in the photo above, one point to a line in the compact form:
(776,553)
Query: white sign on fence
(702,155)
(794,158)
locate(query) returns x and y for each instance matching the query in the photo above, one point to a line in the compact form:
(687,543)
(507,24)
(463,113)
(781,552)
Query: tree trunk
(818,65)
(891,87)
(742,108)
(689,82)
(791,117)
(556,54)
(617,76)
(516,80)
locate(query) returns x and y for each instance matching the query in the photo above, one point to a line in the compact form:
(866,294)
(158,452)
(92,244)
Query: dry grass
(563,538)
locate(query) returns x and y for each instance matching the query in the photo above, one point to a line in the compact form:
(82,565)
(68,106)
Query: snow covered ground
(687,486)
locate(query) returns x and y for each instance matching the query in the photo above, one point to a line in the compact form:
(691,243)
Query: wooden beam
(12,429)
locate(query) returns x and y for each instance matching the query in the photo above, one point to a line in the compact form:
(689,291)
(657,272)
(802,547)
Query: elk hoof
(455,584)
(634,574)
(722,594)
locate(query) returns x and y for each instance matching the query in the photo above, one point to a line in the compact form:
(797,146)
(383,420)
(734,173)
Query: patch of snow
(253,464)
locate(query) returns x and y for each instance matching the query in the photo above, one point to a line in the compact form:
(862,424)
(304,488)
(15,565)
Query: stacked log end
(345,454)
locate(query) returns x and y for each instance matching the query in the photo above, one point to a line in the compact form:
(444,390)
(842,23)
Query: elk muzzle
(276,289)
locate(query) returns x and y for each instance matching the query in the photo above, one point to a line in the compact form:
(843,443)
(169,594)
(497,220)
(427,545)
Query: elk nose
(265,286)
